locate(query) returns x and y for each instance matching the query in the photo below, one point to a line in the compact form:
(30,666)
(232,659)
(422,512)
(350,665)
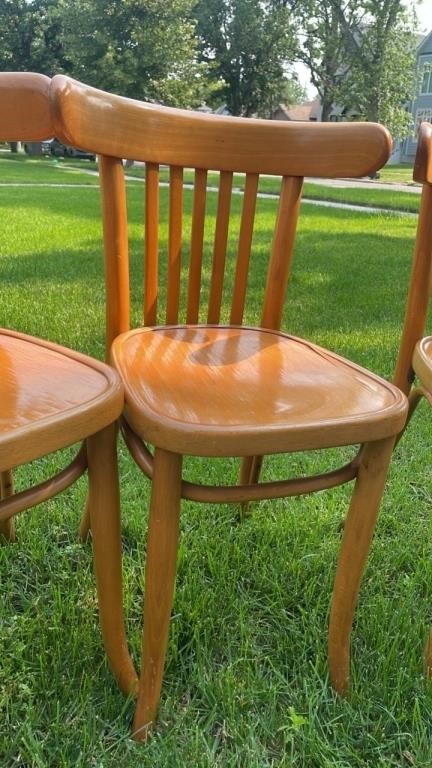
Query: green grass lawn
(246,681)
(365,196)
(398,173)
(14,169)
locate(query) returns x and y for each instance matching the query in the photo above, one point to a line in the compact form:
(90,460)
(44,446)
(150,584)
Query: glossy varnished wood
(25,112)
(196,247)
(162,543)
(51,397)
(115,246)
(198,409)
(190,139)
(422,361)
(414,366)
(151,247)
(226,390)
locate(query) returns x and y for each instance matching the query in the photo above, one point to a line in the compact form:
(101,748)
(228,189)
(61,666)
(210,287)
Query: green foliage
(380,76)
(360,54)
(322,48)
(143,49)
(248,42)
(30,36)
(140,49)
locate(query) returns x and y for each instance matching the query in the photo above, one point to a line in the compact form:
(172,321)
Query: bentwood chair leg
(356,539)
(104,504)
(85,527)
(249,473)
(7,527)
(162,543)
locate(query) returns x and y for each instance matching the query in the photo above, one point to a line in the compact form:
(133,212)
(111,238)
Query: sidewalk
(368,183)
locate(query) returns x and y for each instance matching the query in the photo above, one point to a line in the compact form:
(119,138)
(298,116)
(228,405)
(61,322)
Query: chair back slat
(117,127)
(174,244)
(115,246)
(151,245)
(196,246)
(220,246)
(244,248)
(281,256)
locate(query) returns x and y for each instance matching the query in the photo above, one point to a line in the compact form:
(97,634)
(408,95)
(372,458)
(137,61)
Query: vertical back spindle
(151,245)
(282,249)
(244,248)
(174,243)
(197,237)
(115,235)
(220,246)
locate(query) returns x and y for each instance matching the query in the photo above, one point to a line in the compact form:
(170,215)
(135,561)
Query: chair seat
(422,361)
(227,391)
(50,397)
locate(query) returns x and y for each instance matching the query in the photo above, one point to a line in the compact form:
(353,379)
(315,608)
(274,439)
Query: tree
(247,44)
(30,36)
(143,49)
(380,76)
(322,46)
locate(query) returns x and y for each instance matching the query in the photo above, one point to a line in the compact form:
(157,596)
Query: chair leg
(249,473)
(85,527)
(162,543)
(356,539)
(104,505)
(7,527)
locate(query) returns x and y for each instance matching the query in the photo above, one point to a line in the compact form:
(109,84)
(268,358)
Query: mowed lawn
(246,681)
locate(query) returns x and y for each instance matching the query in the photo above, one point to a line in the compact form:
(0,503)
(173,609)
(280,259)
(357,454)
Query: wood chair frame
(413,374)
(52,397)
(114,128)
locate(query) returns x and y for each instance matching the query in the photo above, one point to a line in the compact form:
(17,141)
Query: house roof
(309,110)
(425,41)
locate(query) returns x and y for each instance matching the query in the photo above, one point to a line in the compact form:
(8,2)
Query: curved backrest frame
(421,272)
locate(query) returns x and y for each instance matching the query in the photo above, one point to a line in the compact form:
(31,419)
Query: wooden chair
(414,366)
(52,397)
(195,386)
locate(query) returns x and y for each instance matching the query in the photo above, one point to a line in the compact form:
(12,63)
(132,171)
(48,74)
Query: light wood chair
(197,386)
(414,366)
(51,398)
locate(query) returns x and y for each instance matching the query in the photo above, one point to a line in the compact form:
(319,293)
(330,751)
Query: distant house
(309,110)
(421,106)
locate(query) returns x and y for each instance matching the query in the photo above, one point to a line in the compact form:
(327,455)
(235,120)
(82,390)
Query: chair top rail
(116,126)
(25,109)
(423,159)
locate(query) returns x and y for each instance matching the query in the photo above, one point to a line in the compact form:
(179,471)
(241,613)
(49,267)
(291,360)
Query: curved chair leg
(357,535)
(7,527)
(249,473)
(414,398)
(104,504)
(85,527)
(162,543)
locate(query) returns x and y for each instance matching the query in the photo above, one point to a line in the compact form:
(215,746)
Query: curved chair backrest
(25,107)
(117,128)
(421,274)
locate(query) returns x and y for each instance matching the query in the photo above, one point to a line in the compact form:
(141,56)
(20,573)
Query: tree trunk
(326,108)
